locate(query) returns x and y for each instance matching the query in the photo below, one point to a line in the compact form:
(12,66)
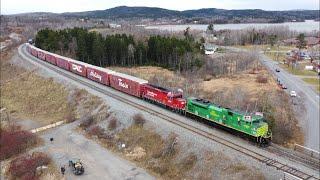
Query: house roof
(208,46)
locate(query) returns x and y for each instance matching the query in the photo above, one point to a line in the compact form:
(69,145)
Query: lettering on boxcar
(77,68)
(96,75)
(123,84)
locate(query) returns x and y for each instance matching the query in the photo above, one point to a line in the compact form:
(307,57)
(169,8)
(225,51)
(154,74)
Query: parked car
(284,87)
(293,94)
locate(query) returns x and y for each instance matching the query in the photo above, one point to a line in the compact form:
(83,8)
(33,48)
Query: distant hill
(153,12)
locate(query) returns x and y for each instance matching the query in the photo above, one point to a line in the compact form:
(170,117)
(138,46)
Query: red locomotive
(171,99)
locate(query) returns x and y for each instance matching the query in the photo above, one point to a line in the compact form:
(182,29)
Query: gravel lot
(188,140)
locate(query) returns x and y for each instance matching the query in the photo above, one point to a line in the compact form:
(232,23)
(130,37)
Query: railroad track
(311,162)
(246,151)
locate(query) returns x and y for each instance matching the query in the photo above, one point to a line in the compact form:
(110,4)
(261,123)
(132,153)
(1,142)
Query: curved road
(310,97)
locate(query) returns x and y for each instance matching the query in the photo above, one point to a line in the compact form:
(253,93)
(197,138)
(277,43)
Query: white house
(209,48)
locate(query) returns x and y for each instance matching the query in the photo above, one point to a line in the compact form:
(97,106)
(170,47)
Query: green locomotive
(251,125)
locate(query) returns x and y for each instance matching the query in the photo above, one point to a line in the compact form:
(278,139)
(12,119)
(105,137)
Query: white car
(293,94)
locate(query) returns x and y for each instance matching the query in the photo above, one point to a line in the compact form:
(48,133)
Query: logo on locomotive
(152,94)
(77,68)
(123,84)
(95,75)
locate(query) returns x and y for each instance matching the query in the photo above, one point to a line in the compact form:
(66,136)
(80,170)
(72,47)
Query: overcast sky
(58,6)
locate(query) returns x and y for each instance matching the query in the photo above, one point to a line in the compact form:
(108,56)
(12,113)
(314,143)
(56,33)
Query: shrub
(138,119)
(14,141)
(24,167)
(113,123)
(87,122)
(188,162)
(70,115)
(96,131)
(261,79)
(170,145)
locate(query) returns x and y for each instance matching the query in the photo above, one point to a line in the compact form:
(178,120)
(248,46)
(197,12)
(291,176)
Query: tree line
(121,49)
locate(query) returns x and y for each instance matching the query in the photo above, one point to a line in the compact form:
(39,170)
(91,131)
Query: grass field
(299,72)
(313,81)
(264,47)
(31,96)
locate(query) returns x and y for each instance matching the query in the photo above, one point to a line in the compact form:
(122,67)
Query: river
(307,26)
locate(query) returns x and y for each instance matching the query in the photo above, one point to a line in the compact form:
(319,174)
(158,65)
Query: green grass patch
(299,72)
(313,81)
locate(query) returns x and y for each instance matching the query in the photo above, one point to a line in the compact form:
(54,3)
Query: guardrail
(47,127)
(308,151)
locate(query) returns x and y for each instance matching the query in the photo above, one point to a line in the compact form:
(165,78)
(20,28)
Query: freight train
(250,125)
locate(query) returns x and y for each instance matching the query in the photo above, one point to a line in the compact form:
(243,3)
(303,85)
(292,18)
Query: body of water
(307,26)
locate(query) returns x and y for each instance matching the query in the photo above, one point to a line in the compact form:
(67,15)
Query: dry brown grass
(31,96)
(216,165)
(36,98)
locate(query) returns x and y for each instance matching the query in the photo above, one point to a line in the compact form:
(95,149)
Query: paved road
(311,101)
(310,119)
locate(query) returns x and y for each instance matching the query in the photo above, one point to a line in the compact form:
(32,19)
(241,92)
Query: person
(63,169)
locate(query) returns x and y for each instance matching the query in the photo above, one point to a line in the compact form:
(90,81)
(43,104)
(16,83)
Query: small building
(111,25)
(209,48)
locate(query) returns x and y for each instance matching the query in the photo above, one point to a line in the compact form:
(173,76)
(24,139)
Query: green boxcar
(252,125)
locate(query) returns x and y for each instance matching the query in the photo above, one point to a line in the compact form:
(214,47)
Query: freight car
(51,58)
(251,125)
(78,67)
(127,84)
(98,74)
(62,63)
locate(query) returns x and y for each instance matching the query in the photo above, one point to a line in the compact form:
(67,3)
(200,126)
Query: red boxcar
(164,96)
(127,84)
(98,74)
(62,63)
(34,52)
(50,58)
(41,55)
(78,67)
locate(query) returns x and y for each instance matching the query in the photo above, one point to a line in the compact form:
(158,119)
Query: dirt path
(98,162)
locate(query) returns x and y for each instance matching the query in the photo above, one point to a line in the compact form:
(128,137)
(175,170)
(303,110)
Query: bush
(87,122)
(188,162)
(262,79)
(170,145)
(70,115)
(113,123)
(96,131)
(14,141)
(24,167)
(138,119)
